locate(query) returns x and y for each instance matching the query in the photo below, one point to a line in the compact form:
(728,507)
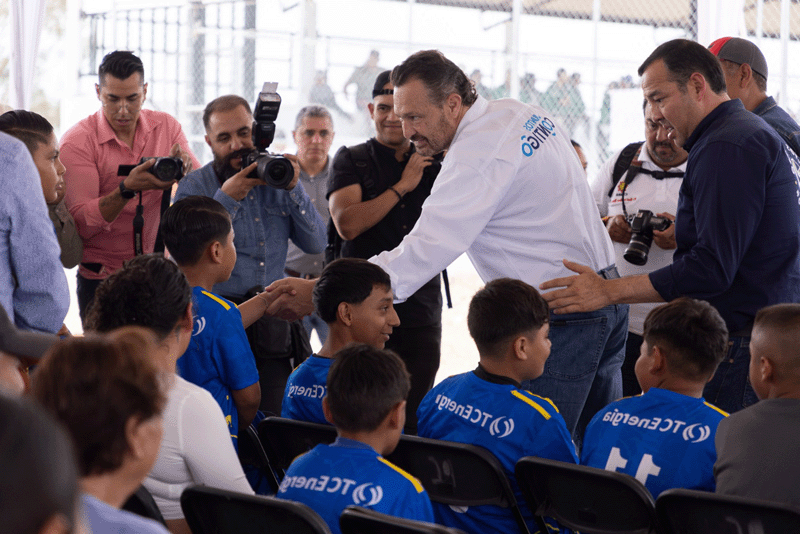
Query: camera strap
(138,228)
(633,171)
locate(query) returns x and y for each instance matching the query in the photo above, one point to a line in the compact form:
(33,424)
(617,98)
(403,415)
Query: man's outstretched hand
(289,298)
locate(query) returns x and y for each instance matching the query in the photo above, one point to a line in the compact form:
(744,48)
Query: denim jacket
(781,122)
(263,223)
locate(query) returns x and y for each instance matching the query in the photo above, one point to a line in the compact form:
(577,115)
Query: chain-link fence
(576,58)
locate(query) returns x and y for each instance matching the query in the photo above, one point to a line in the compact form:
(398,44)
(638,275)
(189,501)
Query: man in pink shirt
(120,133)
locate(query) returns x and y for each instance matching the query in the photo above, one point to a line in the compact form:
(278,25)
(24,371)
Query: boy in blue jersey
(509,321)
(366,402)
(665,436)
(354,298)
(198,235)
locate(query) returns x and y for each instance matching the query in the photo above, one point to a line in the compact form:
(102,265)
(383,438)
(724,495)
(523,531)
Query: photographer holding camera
(265,217)
(99,199)
(642,176)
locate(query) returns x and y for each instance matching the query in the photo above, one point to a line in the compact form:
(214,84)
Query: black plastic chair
(592,501)
(286,439)
(251,453)
(459,474)
(215,511)
(357,520)
(142,503)
(682,511)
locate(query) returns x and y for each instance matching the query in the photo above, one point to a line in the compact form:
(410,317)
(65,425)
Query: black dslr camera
(642,226)
(165,169)
(275,170)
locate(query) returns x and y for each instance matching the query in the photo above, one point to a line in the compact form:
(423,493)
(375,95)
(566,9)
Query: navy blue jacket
(738,220)
(782,122)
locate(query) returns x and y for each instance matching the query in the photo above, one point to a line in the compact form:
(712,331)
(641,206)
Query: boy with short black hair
(354,297)
(509,321)
(665,436)
(366,402)
(758,447)
(198,234)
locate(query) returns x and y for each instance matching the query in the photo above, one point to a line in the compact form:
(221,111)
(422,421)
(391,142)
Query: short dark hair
(224,103)
(780,317)
(314,111)
(683,58)
(121,64)
(440,76)
(364,384)
(149,291)
(93,385)
(190,225)
(27,126)
(692,335)
(502,310)
(40,478)
(348,280)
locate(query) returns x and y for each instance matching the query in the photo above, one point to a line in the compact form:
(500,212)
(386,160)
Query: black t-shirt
(425,306)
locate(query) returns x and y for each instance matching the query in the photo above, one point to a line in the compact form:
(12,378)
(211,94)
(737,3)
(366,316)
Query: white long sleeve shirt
(512,195)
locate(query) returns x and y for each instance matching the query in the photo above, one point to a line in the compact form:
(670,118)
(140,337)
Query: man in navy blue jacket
(738,220)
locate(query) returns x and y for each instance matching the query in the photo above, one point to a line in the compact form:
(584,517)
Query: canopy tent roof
(658,13)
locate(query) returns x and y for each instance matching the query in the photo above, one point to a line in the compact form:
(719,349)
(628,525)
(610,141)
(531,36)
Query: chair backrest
(251,453)
(286,439)
(357,520)
(700,512)
(216,511)
(457,474)
(593,501)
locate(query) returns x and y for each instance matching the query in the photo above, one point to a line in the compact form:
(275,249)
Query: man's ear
(371,108)
(396,417)
(326,410)
(767,370)
(144,93)
(215,252)
(659,361)
(744,74)
(208,141)
(520,347)
(453,104)
(97,89)
(697,85)
(344,313)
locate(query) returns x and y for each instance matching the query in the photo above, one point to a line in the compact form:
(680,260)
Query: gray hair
(320,112)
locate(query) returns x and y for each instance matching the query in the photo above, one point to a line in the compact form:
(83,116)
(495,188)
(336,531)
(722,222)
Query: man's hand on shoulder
(412,174)
(618,229)
(238,185)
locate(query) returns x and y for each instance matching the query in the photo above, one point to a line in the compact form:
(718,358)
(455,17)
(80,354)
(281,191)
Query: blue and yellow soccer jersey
(502,418)
(329,478)
(663,438)
(219,357)
(302,399)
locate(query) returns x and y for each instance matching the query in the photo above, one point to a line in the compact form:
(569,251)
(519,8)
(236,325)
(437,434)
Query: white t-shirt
(643,193)
(512,195)
(196,449)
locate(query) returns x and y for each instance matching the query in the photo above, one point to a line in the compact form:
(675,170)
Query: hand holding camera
(643,225)
(152,173)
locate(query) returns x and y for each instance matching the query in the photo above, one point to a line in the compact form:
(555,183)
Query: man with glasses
(120,133)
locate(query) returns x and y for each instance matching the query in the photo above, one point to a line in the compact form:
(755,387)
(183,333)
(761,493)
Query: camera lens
(638,249)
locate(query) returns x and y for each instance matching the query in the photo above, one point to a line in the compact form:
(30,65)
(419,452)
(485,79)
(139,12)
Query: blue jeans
(730,388)
(582,374)
(314,322)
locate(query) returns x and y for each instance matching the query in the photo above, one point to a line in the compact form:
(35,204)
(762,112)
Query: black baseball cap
(382,79)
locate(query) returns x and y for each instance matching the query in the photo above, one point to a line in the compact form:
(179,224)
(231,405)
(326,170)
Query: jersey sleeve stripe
(218,300)
(532,403)
(411,478)
(724,413)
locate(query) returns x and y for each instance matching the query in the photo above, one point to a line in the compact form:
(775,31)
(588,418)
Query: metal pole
(249,51)
(516,16)
(197,71)
(592,144)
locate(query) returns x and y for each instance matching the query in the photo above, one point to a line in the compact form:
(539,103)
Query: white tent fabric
(719,18)
(27,17)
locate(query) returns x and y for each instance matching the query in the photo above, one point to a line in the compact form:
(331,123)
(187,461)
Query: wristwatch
(125,192)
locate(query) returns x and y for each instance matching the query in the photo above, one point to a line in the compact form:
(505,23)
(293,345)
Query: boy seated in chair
(665,436)
(758,447)
(198,235)
(366,402)
(354,298)
(509,321)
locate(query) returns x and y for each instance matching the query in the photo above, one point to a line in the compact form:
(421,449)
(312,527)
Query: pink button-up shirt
(92,152)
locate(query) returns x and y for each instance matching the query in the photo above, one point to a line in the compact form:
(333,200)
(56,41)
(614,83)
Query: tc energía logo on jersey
(694,433)
(199,326)
(315,391)
(367,494)
(364,495)
(499,427)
